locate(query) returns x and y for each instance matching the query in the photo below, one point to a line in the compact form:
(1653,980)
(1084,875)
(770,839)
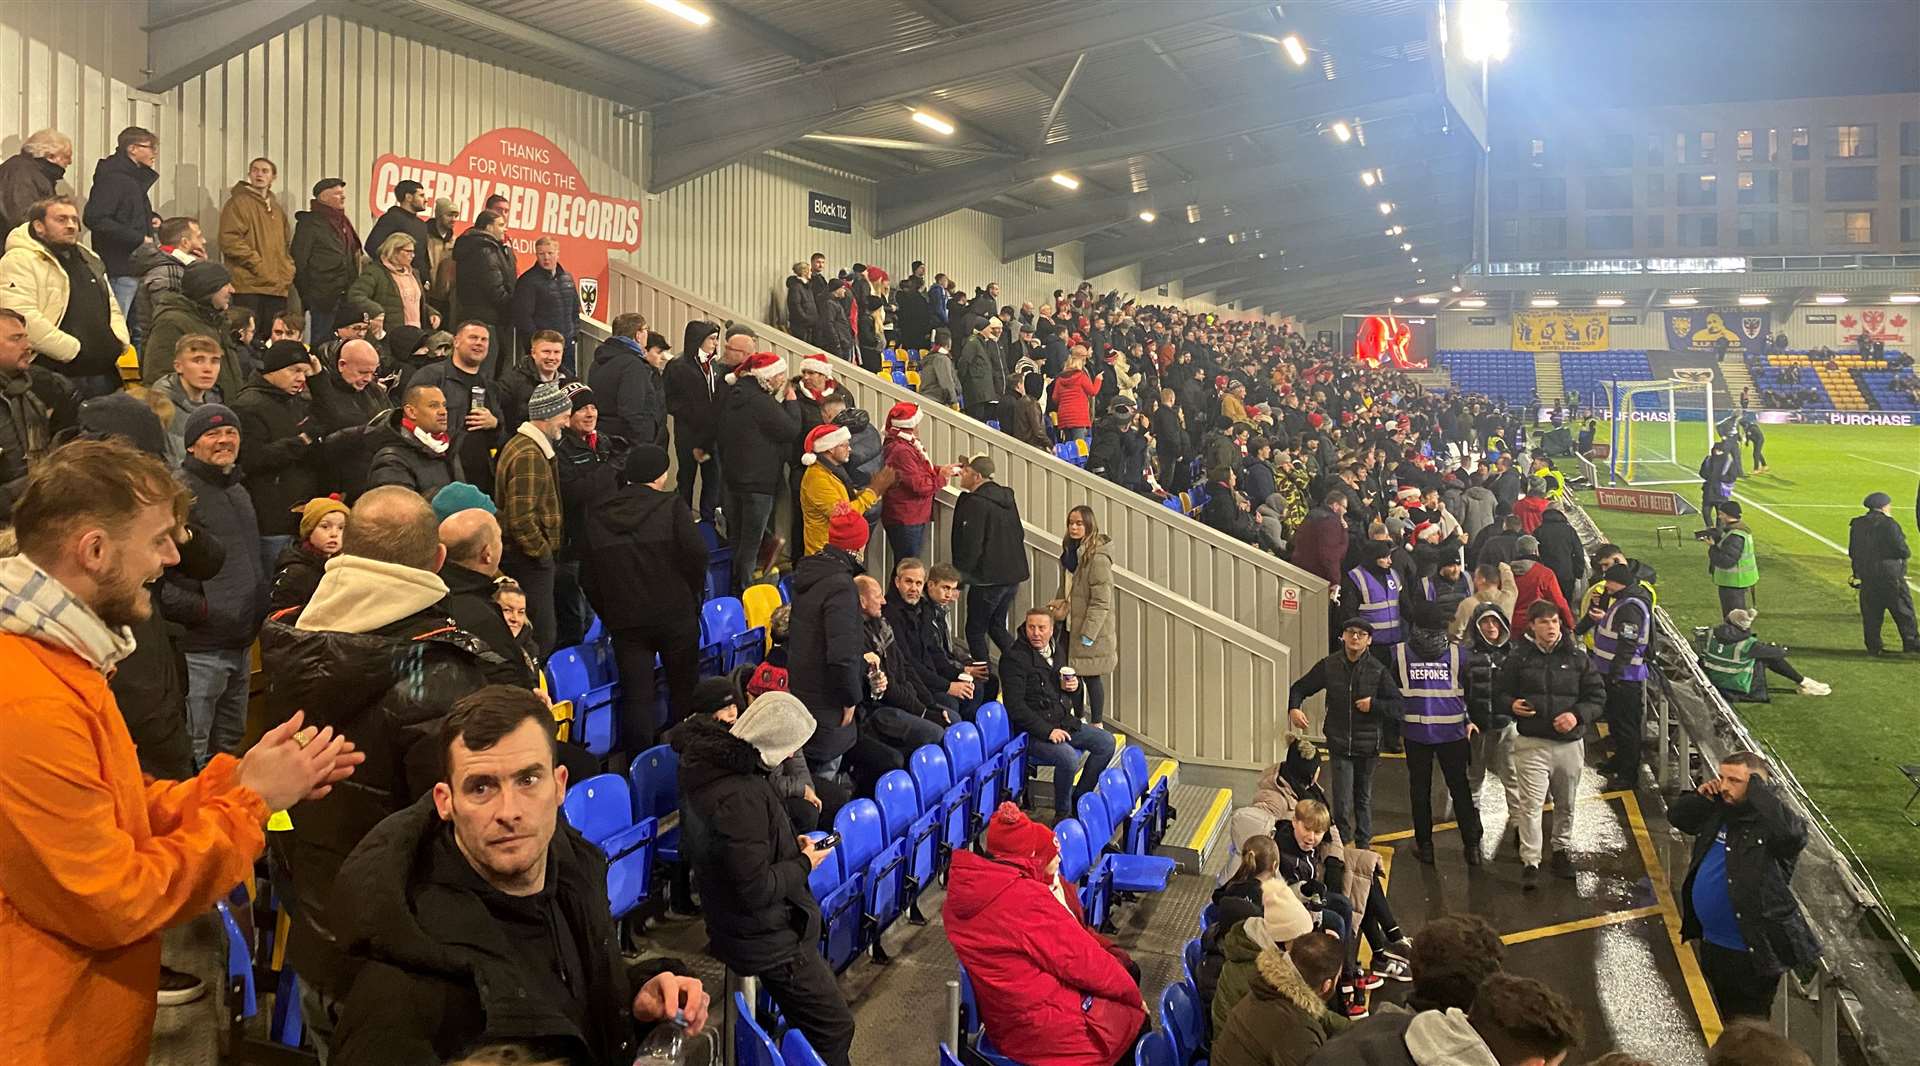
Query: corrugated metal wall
(324,99)
(732,235)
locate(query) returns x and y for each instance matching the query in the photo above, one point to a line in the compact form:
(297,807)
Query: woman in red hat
(907,508)
(1051,991)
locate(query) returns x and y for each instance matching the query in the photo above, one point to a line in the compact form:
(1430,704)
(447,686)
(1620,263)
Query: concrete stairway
(1196,835)
(1738,379)
(1546,377)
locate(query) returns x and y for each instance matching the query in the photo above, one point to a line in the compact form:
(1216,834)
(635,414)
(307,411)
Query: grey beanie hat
(777,725)
(548,401)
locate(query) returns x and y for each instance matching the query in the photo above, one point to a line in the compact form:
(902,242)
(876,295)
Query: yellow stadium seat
(563,716)
(913,380)
(761,601)
(129,367)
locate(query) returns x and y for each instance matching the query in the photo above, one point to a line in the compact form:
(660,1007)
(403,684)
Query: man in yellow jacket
(256,243)
(95,860)
(828,482)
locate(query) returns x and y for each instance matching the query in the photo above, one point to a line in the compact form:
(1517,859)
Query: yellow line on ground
(1407,834)
(1119,741)
(1167,768)
(1598,921)
(1222,799)
(1670,913)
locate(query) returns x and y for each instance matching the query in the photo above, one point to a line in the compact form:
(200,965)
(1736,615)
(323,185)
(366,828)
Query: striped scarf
(34,604)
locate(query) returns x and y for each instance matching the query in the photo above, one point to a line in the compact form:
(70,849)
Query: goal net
(1660,430)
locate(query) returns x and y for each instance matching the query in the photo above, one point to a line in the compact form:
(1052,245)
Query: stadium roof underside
(1191,113)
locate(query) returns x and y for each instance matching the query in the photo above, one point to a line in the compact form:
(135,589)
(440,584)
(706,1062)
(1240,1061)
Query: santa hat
(904,415)
(817,363)
(765,366)
(1408,494)
(1420,531)
(822,439)
(847,530)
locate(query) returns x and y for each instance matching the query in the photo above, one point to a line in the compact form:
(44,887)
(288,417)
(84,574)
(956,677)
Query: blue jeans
(123,290)
(907,541)
(217,701)
(747,516)
(987,617)
(1350,787)
(1064,756)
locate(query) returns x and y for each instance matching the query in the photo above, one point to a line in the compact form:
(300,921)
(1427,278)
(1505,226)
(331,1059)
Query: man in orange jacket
(95,860)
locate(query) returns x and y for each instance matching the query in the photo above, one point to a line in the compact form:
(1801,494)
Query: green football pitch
(1846,748)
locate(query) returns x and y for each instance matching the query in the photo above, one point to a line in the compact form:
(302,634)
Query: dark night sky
(1628,53)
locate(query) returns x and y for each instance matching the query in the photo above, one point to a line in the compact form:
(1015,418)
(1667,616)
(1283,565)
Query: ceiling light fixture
(1609,301)
(1386,208)
(1148,216)
(1066,181)
(1366,178)
(1456,288)
(1543,301)
(1342,132)
(1472,304)
(1682,301)
(1904,298)
(1829,298)
(934,122)
(1296,51)
(1754,301)
(675,7)
(1406,246)
(1399,300)
(1429,299)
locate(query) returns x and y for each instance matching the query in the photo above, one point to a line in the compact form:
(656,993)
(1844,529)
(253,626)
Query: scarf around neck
(34,604)
(437,443)
(342,226)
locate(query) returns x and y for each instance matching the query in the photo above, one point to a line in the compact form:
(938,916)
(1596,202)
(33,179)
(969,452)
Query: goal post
(1660,430)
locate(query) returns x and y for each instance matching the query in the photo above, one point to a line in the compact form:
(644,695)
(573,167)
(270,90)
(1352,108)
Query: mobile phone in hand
(831,840)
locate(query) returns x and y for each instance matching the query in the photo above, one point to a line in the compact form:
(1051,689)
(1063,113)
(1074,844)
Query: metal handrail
(1858,980)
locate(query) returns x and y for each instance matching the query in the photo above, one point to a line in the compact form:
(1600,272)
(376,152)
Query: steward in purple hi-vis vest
(1433,701)
(1379,604)
(1620,640)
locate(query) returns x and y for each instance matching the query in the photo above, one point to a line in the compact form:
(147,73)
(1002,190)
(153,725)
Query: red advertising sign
(1643,501)
(1289,599)
(545,193)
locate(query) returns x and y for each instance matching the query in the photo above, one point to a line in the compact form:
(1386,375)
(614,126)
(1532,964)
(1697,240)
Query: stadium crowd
(373,461)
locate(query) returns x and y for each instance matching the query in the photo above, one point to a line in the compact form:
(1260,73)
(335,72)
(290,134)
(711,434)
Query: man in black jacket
(1562,552)
(1361,698)
(644,569)
(990,550)
(1737,903)
(345,394)
(279,445)
(545,300)
(1045,703)
(474,407)
(475,916)
(1877,547)
(763,428)
(1554,693)
(826,653)
(418,453)
(630,389)
(35,404)
(919,627)
(591,467)
(545,363)
(374,652)
(409,199)
(326,254)
(473,544)
(483,273)
(752,868)
(119,215)
(695,389)
(899,710)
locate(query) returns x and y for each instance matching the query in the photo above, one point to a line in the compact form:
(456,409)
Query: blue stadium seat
(1180,1014)
(601,808)
(865,846)
(1154,795)
(825,877)
(723,625)
(918,829)
(568,678)
(933,782)
(840,911)
(975,769)
(1207,915)
(1077,868)
(751,1045)
(655,777)
(991,719)
(795,1050)
(1155,1049)
(1191,956)
(1128,873)
(947,1057)
(1135,822)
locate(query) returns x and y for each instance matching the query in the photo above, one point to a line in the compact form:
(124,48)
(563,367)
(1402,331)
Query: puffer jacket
(545,299)
(282,471)
(24,181)
(826,670)
(401,459)
(388,686)
(1049,992)
(295,575)
(158,272)
(630,393)
(803,315)
(1280,1021)
(735,834)
(234,600)
(483,284)
(1396,1038)
(256,241)
(1349,731)
(1484,663)
(34,283)
(1091,612)
(1556,681)
(118,213)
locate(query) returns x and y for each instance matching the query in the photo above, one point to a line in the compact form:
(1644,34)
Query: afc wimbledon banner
(1559,331)
(546,197)
(1696,330)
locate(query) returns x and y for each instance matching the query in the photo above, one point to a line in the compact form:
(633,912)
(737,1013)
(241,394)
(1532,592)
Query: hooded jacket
(1485,660)
(825,664)
(1556,681)
(25,180)
(324,264)
(158,272)
(256,239)
(295,575)
(233,601)
(696,391)
(1280,1021)
(403,459)
(483,282)
(282,471)
(35,283)
(735,834)
(375,656)
(1049,992)
(118,213)
(1561,551)
(438,974)
(174,316)
(1429,1038)
(989,540)
(643,562)
(1532,581)
(1502,595)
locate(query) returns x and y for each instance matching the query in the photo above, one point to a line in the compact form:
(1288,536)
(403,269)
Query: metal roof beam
(647,80)
(183,42)
(701,133)
(901,204)
(1306,248)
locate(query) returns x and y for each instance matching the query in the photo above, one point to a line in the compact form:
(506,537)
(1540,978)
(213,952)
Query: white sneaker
(1810,687)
